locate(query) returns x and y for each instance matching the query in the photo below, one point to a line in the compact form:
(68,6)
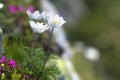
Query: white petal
(36,15)
(55,21)
(38,27)
(47,16)
(44,15)
(42,28)
(62,21)
(30,14)
(56,17)
(33,26)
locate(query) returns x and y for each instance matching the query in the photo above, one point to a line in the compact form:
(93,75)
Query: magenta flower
(30,8)
(3,59)
(20,8)
(12,63)
(12,9)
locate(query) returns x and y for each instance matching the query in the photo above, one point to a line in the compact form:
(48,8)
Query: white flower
(55,21)
(1,31)
(36,15)
(38,27)
(46,15)
(92,53)
(1,5)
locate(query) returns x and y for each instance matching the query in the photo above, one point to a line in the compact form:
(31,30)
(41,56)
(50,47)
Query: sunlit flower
(12,63)
(35,15)
(38,27)
(55,21)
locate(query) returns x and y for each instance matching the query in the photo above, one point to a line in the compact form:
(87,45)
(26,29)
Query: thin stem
(41,45)
(47,52)
(31,43)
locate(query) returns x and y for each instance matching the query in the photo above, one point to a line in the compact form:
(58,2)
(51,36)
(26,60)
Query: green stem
(47,52)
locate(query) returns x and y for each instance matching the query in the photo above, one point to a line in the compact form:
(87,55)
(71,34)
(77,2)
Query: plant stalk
(49,42)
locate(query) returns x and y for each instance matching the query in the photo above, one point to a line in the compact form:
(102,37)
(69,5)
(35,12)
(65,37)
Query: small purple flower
(3,59)
(12,9)
(12,63)
(30,8)
(20,8)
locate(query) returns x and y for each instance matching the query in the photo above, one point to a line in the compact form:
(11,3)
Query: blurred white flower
(1,5)
(46,15)
(38,27)
(55,21)
(92,54)
(35,15)
(1,31)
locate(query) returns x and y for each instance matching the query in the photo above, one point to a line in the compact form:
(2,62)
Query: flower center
(56,22)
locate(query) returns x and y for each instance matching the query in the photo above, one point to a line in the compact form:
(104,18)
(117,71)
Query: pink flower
(30,8)
(3,59)
(12,63)
(20,8)
(12,9)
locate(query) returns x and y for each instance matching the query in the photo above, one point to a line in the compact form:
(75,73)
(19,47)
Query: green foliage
(31,60)
(29,65)
(32,64)
(18,35)
(15,75)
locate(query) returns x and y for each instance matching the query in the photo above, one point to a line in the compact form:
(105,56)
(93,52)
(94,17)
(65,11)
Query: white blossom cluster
(41,22)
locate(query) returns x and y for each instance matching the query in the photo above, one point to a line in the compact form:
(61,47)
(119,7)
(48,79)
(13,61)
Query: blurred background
(92,35)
